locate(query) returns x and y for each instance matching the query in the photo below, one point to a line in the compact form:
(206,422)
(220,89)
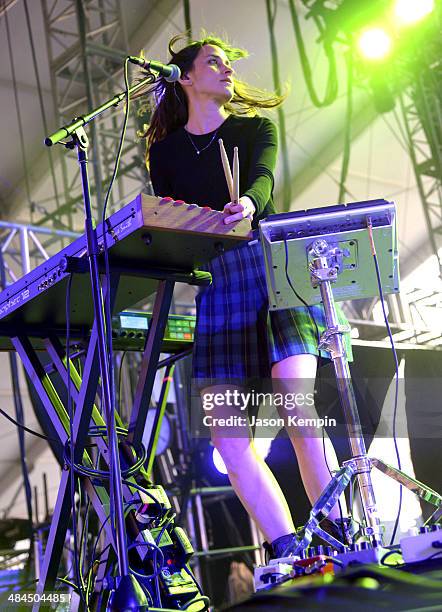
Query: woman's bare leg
(249,475)
(297,374)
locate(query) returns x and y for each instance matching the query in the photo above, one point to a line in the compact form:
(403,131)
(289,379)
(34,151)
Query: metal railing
(23,247)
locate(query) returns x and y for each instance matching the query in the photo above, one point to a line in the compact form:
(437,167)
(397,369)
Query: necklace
(199,151)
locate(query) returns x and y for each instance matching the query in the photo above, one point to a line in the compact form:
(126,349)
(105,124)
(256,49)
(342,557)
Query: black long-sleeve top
(176,170)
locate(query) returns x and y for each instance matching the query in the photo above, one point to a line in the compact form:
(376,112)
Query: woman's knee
(235,452)
(301,367)
(294,384)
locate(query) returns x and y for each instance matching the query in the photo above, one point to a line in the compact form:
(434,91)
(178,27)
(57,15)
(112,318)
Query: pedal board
(425,545)
(281,570)
(312,562)
(360,554)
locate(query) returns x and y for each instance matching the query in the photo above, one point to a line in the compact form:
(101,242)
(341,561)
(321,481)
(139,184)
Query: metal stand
(133,592)
(332,341)
(55,419)
(128,593)
(322,275)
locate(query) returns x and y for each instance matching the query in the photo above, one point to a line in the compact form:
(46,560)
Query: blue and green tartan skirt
(236,336)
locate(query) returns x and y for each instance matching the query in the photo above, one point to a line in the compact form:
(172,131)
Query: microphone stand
(128,595)
(69,130)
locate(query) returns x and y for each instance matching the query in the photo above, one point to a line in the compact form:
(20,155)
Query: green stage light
(410,11)
(374,43)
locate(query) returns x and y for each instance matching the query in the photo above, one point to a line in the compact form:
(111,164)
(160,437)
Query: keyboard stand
(83,391)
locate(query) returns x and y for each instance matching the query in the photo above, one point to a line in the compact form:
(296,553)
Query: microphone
(170,72)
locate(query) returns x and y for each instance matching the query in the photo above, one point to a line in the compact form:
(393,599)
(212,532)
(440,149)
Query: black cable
(40,99)
(72,444)
(156,574)
(154,546)
(164,527)
(105,474)
(347,132)
(135,485)
(89,570)
(120,370)
(300,298)
(30,431)
(331,476)
(436,554)
(331,90)
(107,307)
(108,315)
(158,602)
(271,16)
(396,367)
(389,554)
(21,441)
(94,555)
(94,550)
(157,550)
(17,109)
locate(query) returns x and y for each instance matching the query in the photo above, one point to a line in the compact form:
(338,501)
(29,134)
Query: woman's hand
(244,209)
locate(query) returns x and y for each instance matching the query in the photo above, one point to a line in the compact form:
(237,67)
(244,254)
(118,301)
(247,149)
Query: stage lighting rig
(408,12)
(376,26)
(374,43)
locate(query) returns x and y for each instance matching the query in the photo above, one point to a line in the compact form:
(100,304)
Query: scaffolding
(421,109)
(86,45)
(23,247)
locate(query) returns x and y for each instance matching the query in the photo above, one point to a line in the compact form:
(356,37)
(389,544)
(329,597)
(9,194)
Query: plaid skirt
(236,336)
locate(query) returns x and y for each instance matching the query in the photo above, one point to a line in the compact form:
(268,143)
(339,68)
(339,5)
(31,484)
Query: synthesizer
(129,333)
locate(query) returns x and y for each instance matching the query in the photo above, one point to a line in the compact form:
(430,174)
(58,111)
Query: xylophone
(146,239)
(152,244)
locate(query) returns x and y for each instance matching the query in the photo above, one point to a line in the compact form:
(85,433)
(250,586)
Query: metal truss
(86,45)
(414,81)
(23,247)
(421,110)
(421,107)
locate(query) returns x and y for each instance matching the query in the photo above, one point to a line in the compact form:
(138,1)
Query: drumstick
(226,167)
(235,197)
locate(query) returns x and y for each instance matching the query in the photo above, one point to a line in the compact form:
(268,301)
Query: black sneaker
(341,529)
(281,547)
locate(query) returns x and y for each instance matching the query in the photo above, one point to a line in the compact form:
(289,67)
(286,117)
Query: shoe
(341,529)
(281,547)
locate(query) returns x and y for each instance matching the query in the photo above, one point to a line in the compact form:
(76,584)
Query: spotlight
(410,11)
(374,43)
(262,446)
(218,462)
